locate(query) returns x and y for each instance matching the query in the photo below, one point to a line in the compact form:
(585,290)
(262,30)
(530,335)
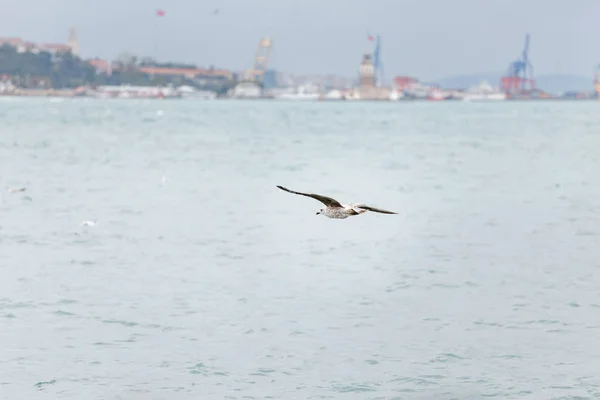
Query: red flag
(160,13)
(371,38)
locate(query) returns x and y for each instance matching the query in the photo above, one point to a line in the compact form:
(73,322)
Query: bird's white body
(346,211)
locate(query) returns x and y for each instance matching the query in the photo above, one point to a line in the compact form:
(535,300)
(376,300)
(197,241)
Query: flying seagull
(336,210)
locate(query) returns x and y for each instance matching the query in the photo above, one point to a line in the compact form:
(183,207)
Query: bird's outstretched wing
(374,209)
(328,201)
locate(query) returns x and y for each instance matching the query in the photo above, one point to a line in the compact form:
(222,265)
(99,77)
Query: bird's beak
(318,212)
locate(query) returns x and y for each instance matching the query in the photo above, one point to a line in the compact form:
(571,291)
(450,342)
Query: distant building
(366,89)
(367,72)
(205,76)
(10,41)
(403,83)
(55,48)
(24,46)
(15,42)
(103,66)
(270,79)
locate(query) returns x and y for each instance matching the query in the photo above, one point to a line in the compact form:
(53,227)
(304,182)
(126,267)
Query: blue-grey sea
(202,280)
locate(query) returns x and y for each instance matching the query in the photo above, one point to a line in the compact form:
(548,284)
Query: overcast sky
(428,39)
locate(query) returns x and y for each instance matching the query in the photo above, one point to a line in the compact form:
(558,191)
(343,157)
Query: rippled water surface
(202,280)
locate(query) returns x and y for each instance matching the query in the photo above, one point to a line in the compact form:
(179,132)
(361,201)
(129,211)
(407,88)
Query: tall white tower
(367,71)
(73,42)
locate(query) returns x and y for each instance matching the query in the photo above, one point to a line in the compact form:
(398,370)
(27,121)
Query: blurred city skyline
(425,38)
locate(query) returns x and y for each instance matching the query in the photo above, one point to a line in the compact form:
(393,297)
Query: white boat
(302,92)
(129,91)
(334,95)
(352,94)
(436,95)
(395,95)
(189,92)
(484,92)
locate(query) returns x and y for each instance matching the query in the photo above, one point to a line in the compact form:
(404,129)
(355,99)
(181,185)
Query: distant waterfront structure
(25,46)
(367,90)
(73,42)
(519,78)
(261,60)
(378,63)
(270,80)
(367,72)
(597,81)
(405,83)
(204,76)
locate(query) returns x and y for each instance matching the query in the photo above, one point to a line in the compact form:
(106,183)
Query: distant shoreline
(69,93)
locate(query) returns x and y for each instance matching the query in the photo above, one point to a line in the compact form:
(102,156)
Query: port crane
(519,76)
(261,59)
(377,63)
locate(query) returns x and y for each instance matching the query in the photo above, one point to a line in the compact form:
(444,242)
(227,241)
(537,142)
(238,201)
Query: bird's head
(320,211)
